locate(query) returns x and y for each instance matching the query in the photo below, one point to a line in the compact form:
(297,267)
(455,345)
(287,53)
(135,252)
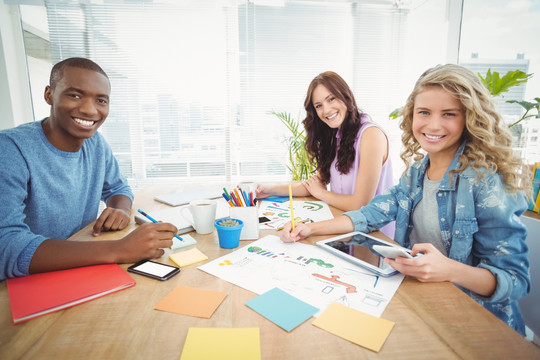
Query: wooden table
(432,321)
(532,214)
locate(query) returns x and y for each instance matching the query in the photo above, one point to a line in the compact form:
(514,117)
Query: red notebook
(39,294)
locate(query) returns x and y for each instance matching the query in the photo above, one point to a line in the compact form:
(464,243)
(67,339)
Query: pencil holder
(250,216)
(228,236)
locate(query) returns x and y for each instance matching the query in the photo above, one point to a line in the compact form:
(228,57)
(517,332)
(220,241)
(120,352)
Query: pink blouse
(346,183)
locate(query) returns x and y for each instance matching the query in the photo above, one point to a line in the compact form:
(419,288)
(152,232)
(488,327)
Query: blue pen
(248,202)
(155,221)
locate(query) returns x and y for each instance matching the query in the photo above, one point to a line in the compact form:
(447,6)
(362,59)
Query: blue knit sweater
(48,193)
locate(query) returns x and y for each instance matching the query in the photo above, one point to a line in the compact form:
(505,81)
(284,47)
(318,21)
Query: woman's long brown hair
(321,143)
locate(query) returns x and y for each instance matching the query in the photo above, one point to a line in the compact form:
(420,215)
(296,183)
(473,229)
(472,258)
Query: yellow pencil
(292,212)
(297,220)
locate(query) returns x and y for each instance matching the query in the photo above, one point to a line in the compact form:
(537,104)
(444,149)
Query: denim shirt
(479,223)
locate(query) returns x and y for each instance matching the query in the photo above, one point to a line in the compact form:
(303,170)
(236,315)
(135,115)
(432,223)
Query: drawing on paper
(306,272)
(304,211)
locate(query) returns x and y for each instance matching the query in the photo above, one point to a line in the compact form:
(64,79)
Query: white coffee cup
(203,215)
(248,186)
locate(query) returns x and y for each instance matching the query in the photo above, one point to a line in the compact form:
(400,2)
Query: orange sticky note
(191,301)
(360,328)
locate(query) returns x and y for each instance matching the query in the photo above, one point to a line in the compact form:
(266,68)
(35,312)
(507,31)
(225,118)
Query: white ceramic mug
(203,215)
(248,186)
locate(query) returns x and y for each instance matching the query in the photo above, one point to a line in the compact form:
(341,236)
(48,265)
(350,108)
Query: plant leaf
(394,114)
(497,85)
(299,165)
(526,104)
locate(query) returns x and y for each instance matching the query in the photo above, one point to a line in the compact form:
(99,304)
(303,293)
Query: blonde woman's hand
(432,266)
(300,232)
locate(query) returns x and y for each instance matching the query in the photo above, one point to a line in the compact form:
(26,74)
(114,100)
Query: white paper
(306,272)
(280,213)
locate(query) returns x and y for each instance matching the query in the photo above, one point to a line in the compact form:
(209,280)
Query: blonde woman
(459,202)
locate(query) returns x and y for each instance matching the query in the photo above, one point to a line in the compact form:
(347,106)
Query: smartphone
(263,219)
(392,252)
(154,269)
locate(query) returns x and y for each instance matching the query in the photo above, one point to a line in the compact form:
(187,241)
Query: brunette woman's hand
(315,186)
(264,191)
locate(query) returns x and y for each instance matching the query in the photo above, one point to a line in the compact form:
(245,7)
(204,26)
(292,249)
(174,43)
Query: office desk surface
(432,320)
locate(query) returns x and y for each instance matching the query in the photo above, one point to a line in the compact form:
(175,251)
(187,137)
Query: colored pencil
(291,203)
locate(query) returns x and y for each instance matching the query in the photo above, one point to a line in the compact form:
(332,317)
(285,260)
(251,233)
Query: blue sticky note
(186,241)
(283,309)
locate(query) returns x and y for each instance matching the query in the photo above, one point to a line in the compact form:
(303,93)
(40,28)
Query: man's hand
(112,219)
(145,242)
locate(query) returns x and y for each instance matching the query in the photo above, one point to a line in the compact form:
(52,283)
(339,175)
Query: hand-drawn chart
(304,211)
(306,272)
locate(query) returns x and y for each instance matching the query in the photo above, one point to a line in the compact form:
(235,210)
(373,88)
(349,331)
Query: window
(193,82)
(501,35)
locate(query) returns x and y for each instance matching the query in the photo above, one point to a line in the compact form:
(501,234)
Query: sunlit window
(502,36)
(193,83)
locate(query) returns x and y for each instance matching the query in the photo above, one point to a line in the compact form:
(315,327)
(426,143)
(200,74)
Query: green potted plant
(228,231)
(299,163)
(228,222)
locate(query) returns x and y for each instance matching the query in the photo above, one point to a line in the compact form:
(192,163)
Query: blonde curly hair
(488,139)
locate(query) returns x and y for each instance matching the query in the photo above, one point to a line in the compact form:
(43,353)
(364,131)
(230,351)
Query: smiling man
(79,99)
(55,172)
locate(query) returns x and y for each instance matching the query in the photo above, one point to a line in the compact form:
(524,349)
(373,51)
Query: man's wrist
(127,211)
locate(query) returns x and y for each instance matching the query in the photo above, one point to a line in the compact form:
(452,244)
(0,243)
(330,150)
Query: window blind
(194,82)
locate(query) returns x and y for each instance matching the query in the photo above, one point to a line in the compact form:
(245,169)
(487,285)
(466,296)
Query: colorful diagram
(304,211)
(306,272)
(335,279)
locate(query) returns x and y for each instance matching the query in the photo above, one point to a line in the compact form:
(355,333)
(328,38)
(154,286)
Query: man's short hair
(58,69)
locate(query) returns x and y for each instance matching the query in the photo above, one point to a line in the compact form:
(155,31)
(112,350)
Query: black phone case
(174,270)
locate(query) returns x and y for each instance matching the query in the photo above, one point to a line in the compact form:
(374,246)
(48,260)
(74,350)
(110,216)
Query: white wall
(15,96)
(530,305)
(39,79)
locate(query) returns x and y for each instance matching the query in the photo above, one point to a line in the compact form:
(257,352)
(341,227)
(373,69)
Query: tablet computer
(358,248)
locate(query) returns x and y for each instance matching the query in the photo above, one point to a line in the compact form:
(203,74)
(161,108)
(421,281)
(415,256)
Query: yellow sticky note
(222,344)
(188,257)
(353,325)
